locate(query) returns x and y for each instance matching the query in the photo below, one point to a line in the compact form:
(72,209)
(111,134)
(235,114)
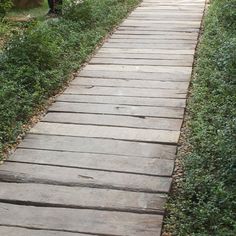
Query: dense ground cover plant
(36,62)
(5,5)
(205,203)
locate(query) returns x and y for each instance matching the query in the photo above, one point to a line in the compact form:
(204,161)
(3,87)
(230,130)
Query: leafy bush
(5,5)
(205,203)
(36,62)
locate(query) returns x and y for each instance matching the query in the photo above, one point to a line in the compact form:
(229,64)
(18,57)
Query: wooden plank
(54,175)
(176,23)
(165,27)
(163,14)
(195,6)
(114,120)
(145,50)
(176,4)
(147,40)
(182,70)
(155,36)
(84,81)
(149,46)
(135,61)
(116,163)
(177,15)
(170,8)
(134,101)
(166,112)
(102,146)
(167,15)
(18,231)
(156,32)
(161,76)
(86,221)
(159,23)
(172,57)
(82,198)
(129,92)
(117,133)
(150,29)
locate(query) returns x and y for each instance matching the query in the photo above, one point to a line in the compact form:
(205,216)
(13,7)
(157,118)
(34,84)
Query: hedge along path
(100,162)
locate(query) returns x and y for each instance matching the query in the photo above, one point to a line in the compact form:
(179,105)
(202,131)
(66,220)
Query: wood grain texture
(116,133)
(134,101)
(136,111)
(18,231)
(82,198)
(95,145)
(114,120)
(65,176)
(117,163)
(81,221)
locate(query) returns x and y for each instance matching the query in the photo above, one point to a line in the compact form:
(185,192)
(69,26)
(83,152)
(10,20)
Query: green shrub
(5,5)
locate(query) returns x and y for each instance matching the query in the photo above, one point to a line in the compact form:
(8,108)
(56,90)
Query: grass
(205,201)
(37,61)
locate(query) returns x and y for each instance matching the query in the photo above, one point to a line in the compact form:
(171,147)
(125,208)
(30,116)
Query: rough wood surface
(138,111)
(117,133)
(81,221)
(100,161)
(134,101)
(19,231)
(95,145)
(82,197)
(114,120)
(96,161)
(31,173)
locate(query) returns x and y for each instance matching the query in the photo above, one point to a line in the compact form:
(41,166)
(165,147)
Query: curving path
(101,160)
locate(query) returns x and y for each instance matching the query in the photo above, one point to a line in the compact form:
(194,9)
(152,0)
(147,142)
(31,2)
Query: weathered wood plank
(134,101)
(167,9)
(144,51)
(86,221)
(114,120)
(176,23)
(155,37)
(31,173)
(128,92)
(148,30)
(155,24)
(148,56)
(170,112)
(156,32)
(161,76)
(152,41)
(79,198)
(18,231)
(84,81)
(117,133)
(182,70)
(138,165)
(149,46)
(136,61)
(102,146)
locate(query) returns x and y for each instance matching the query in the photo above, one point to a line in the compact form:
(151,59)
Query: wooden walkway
(101,160)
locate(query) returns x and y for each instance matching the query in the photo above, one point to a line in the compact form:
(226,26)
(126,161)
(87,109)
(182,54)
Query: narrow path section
(101,160)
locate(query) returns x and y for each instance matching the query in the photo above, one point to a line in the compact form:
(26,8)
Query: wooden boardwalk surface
(101,160)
